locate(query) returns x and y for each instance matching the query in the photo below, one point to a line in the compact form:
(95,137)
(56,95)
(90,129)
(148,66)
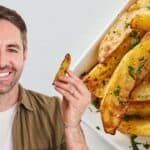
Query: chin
(6,88)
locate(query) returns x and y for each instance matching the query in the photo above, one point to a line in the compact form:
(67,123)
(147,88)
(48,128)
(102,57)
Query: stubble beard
(12,84)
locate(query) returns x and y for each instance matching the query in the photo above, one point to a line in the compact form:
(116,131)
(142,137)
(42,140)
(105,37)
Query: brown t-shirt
(37,124)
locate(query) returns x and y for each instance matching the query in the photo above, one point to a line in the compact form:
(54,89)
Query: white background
(57,27)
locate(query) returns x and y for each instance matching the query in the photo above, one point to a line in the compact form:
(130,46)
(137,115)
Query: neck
(7,100)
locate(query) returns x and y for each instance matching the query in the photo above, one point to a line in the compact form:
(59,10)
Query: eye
(13,50)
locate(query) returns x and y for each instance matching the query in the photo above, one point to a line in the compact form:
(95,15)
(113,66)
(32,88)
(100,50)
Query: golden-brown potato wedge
(63,67)
(137,126)
(129,73)
(146,36)
(141,21)
(138,4)
(120,29)
(143,3)
(97,79)
(138,108)
(142,91)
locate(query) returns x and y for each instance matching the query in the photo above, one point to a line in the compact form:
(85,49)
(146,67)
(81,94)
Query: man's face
(12,56)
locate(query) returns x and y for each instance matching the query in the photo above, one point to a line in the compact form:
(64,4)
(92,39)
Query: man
(29,120)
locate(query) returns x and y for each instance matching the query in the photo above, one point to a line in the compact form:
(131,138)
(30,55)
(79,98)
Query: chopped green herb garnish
(97,127)
(131,117)
(117,91)
(133,143)
(96,103)
(127,25)
(133,33)
(148,7)
(126,118)
(131,71)
(90,109)
(143,96)
(147,146)
(134,42)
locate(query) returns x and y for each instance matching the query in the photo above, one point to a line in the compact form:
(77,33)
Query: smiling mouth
(4,74)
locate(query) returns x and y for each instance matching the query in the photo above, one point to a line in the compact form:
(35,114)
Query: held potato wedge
(129,73)
(141,21)
(63,67)
(120,29)
(97,79)
(137,126)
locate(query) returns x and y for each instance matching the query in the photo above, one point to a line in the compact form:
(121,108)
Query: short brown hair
(13,17)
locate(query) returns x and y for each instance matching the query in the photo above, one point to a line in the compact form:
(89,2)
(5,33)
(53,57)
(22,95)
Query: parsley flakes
(131,71)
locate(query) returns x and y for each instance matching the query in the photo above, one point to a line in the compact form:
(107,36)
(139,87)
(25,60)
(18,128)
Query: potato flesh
(141,21)
(119,30)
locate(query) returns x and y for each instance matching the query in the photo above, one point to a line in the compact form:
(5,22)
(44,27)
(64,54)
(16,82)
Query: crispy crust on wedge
(63,67)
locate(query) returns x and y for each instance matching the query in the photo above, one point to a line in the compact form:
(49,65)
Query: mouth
(4,74)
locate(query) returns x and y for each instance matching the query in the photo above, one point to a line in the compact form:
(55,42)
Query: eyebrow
(14,46)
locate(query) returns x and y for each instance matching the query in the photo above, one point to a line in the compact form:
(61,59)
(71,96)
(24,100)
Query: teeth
(4,74)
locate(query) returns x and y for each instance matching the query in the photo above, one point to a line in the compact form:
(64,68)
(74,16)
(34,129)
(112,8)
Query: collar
(25,99)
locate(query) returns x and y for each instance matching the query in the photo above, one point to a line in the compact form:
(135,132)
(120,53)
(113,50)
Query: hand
(76,97)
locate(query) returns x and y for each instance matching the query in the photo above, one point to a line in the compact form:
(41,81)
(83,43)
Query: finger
(77,84)
(67,87)
(71,74)
(66,94)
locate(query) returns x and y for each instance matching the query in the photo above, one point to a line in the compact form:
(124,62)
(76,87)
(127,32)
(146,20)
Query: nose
(3,59)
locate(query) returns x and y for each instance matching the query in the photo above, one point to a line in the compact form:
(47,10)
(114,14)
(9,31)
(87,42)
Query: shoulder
(41,101)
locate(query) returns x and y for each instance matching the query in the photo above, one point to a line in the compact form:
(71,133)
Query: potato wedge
(138,108)
(120,29)
(141,21)
(142,91)
(138,4)
(139,127)
(143,3)
(97,79)
(129,73)
(63,67)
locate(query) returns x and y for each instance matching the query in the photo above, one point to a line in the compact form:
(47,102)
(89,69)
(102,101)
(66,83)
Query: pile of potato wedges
(121,78)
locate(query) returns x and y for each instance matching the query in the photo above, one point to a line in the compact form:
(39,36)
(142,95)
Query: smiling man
(30,120)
